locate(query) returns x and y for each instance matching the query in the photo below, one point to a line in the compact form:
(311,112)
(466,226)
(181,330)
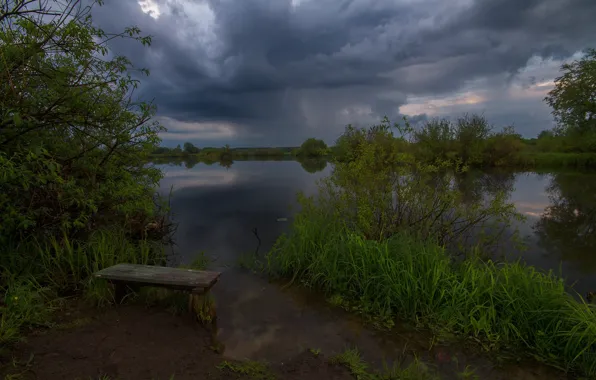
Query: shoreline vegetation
(470,140)
(386,237)
(526,159)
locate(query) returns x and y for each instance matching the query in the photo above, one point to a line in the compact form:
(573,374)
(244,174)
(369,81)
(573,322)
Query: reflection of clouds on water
(551,231)
(529,196)
(217,208)
(182,178)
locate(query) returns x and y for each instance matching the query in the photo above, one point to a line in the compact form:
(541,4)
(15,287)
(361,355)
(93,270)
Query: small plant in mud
(352,360)
(253,369)
(315,351)
(468,374)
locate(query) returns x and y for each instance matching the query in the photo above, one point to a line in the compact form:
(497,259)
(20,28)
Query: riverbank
(135,342)
(526,160)
(499,306)
(140,340)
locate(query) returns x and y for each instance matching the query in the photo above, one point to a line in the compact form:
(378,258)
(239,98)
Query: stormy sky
(274,72)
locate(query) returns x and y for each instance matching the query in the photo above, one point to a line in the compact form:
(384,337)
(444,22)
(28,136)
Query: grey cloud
(289,73)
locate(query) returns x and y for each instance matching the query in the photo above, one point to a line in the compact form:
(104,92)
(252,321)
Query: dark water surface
(217,208)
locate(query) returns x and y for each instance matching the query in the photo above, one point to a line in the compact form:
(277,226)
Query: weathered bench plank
(188,279)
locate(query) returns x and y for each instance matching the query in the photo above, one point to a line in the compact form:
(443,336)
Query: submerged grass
(352,360)
(496,304)
(249,368)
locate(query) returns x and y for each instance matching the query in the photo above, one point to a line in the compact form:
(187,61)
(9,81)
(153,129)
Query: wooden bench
(196,282)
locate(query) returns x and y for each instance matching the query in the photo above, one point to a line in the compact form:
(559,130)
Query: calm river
(217,209)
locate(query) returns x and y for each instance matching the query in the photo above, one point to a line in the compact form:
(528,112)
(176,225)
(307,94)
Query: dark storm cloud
(288,72)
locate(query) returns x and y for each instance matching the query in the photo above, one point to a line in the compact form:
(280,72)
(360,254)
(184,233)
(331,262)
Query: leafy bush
(73,142)
(74,145)
(312,148)
(382,190)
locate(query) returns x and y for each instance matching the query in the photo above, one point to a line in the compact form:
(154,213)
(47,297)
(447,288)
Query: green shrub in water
(385,257)
(507,304)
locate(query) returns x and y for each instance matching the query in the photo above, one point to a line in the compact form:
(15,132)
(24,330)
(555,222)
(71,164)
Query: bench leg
(119,292)
(203,306)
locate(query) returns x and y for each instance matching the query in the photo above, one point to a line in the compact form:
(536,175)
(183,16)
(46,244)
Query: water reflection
(218,205)
(310,165)
(567,228)
(475,185)
(313,165)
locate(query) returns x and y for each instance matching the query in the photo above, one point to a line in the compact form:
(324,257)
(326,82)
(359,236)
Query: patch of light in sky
(150,7)
(432,107)
(198,25)
(532,82)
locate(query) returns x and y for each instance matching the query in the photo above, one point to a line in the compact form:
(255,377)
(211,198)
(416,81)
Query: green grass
(252,369)
(496,305)
(36,275)
(555,160)
(351,359)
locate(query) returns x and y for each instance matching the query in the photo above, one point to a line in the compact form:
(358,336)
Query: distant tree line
(470,140)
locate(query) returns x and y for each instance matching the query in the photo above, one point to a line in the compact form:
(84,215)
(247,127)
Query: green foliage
(502,148)
(76,193)
(59,267)
(556,160)
(382,190)
(253,369)
(312,164)
(190,148)
(379,241)
(212,155)
(494,304)
(435,140)
(73,142)
(313,148)
(351,359)
(573,99)
(25,304)
(469,140)
(470,134)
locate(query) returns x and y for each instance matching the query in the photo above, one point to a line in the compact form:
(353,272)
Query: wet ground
(262,321)
(132,342)
(258,321)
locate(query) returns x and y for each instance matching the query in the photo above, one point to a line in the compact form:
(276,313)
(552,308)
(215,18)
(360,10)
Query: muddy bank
(264,321)
(258,321)
(135,342)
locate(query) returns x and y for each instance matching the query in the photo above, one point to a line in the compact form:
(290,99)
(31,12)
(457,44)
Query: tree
(190,148)
(73,140)
(312,148)
(471,132)
(573,99)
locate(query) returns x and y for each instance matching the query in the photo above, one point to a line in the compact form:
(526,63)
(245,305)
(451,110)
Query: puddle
(259,320)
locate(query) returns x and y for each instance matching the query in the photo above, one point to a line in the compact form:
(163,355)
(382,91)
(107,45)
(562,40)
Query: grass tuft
(35,276)
(351,359)
(253,369)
